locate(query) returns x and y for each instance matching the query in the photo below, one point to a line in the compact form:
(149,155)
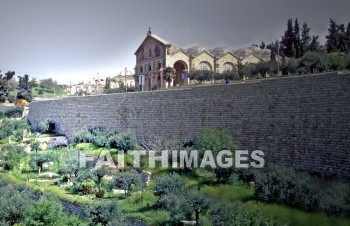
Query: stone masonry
(301,122)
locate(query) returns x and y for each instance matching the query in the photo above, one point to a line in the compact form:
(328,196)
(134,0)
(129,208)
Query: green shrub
(13,202)
(11,98)
(11,127)
(109,139)
(11,156)
(47,211)
(126,180)
(235,214)
(47,126)
(100,193)
(300,190)
(124,141)
(105,213)
(169,184)
(217,140)
(15,112)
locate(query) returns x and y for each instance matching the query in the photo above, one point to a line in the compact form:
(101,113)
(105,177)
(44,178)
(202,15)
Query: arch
(180,67)
(141,69)
(228,66)
(204,65)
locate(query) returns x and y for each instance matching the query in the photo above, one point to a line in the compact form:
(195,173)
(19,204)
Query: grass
(292,216)
(230,193)
(279,213)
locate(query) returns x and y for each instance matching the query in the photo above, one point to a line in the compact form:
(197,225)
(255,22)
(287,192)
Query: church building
(155,54)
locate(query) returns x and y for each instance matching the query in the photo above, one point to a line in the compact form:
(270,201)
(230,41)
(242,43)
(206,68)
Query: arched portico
(181,70)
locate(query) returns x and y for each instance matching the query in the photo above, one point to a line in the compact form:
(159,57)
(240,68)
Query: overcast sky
(73,40)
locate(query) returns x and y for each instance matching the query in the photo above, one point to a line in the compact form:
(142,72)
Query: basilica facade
(155,54)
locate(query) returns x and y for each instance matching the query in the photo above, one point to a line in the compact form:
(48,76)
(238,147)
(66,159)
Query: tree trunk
(197,218)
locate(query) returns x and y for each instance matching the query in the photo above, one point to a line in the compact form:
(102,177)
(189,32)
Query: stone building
(155,54)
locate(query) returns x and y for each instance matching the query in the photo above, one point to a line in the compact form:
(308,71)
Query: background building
(155,54)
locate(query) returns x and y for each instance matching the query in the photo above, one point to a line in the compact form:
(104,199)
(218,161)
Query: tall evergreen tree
(305,38)
(314,45)
(347,38)
(287,43)
(296,37)
(332,37)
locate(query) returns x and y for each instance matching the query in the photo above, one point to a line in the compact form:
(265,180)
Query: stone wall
(302,122)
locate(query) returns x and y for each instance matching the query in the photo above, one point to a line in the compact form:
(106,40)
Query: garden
(42,182)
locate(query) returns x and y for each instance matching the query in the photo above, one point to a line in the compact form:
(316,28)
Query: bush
(11,98)
(217,140)
(109,139)
(15,112)
(13,202)
(100,193)
(43,126)
(44,212)
(105,213)
(83,136)
(235,214)
(169,184)
(124,141)
(11,156)
(13,127)
(297,189)
(335,62)
(126,180)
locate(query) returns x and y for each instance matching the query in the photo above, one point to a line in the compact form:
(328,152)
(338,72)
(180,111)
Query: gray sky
(73,40)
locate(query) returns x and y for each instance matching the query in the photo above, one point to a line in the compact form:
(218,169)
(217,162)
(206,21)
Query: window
(141,69)
(149,67)
(159,65)
(227,67)
(204,66)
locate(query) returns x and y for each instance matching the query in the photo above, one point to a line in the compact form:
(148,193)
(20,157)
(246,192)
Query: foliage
(235,214)
(13,127)
(196,202)
(43,126)
(200,75)
(110,139)
(38,160)
(4,85)
(126,180)
(169,184)
(338,38)
(13,202)
(11,156)
(46,211)
(169,74)
(100,193)
(217,140)
(46,126)
(67,160)
(173,204)
(15,112)
(335,62)
(309,62)
(283,185)
(105,213)
(49,84)
(124,141)
(35,146)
